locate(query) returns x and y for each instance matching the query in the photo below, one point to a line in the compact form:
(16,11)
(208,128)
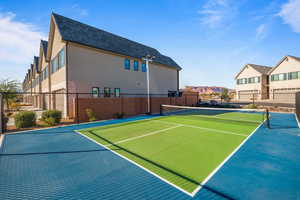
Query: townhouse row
(78,58)
(278,83)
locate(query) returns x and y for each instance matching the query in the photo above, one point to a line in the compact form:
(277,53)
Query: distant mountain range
(205,89)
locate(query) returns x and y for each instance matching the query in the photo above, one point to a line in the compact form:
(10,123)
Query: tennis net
(226,115)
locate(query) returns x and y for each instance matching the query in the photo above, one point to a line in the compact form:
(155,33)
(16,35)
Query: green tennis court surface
(183,149)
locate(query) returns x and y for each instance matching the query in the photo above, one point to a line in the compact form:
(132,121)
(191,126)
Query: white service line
(141,136)
(208,129)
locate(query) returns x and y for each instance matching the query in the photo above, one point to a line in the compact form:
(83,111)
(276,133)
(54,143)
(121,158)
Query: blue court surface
(59,163)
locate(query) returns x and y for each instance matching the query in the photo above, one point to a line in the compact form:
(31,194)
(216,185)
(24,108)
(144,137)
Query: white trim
(224,161)
(298,123)
(145,135)
(147,170)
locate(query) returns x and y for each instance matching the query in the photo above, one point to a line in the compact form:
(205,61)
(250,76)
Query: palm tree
(9,89)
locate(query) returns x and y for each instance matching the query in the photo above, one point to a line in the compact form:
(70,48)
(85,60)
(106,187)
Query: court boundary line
(135,163)
(298,123)
(203,128)
(145,135)
(199,187)
(224,161)
(1,140)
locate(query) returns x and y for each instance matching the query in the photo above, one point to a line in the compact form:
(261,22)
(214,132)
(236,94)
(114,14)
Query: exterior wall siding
(92,68)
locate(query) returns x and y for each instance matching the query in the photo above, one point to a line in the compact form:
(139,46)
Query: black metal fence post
(77,109)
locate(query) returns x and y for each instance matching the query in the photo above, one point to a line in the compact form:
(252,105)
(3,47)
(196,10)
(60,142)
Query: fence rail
(102,105)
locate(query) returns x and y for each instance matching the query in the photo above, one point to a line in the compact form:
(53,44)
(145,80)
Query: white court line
(1,139)
(141,136)
(224,161)
(297,120)
(203,128)
(147,170)
(192,194)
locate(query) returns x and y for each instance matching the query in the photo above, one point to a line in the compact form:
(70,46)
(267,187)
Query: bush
(90,114)
(25,119)
(251,106)
(119,115)
(51,117)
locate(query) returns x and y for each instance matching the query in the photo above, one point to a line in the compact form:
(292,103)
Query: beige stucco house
(79,58)
(252,82)
(285,79)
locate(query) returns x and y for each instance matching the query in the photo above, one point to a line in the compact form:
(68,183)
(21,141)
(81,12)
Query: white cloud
(290,13)
(261,32)
(216,13)
(19,42)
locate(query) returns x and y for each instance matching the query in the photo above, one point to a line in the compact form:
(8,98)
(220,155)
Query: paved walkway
(57,163)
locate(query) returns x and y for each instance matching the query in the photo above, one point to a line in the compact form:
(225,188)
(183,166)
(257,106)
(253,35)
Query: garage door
(284,96)
(247,96)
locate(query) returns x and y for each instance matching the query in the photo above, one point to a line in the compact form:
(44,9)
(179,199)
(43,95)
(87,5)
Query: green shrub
(51,117)
(119,115)
(251,106)
(25,119)
(90,114)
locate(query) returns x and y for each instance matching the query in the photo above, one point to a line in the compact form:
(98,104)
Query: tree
(8,88)
(225,95)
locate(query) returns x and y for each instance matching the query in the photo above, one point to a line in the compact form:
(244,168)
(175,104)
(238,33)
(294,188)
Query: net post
(160,110)
(268,118)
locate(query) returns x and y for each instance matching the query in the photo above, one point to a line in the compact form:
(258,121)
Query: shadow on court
(164,168)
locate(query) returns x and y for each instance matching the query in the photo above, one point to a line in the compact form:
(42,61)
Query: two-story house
(79,58)
(285,79)
(252,82)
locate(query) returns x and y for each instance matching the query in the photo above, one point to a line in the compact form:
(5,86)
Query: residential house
(285,79)
(252,83)
(83,59)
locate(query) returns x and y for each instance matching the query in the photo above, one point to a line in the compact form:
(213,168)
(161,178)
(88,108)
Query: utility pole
(148,58)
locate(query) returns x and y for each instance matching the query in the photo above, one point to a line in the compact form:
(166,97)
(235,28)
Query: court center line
(203,128)
(145,135)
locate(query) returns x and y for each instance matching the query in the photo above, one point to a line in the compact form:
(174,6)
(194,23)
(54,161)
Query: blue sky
(210,39)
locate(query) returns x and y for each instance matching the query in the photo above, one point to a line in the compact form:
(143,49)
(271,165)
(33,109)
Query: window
(136,65)
(95,92)
(281,77)
(144,68)
(62,58)
(54,65)
(106,92)
(293,75)
(127,64)
(117,92)
(46,73)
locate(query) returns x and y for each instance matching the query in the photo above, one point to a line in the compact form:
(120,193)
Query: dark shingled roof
(45,46)
(77,32)
(260,68)
(36,63)
(296,58)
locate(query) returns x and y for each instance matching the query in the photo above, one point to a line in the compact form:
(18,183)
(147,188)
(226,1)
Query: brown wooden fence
(106,108)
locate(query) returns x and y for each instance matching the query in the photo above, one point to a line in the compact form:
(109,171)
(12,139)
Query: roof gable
(282,60)
(78,32)
(263,70)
